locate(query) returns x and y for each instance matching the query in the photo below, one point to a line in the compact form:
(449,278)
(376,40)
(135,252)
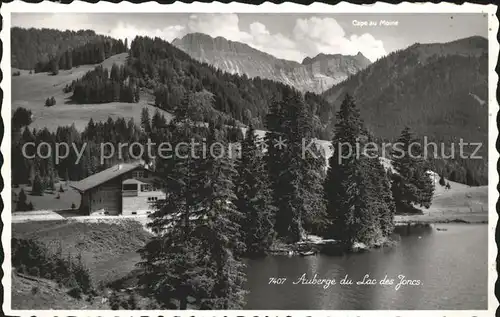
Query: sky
(289,36)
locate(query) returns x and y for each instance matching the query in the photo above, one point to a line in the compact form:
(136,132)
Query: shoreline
(316,245)
(435,218)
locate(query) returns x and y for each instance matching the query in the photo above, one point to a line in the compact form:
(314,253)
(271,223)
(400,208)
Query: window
(145,187)
(146,175)
(137,174)
(129,187)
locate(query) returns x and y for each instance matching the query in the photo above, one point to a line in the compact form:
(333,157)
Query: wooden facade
(110,191)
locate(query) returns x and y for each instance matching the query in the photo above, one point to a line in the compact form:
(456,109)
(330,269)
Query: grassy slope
(460,202)
(49,200)
(108,249)
(38,293)
(31,91)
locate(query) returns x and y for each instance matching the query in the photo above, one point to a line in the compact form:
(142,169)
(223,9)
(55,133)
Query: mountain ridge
(314,74)
(439,90)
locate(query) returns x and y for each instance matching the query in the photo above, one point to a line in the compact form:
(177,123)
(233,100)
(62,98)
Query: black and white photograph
(239,160)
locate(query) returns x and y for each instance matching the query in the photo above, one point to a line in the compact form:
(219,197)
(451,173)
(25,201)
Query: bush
(132,302)
(90,298)
(22,269)
(114,301)
(75,292)
(18,73)
(82,275)
(34,290)
(33,258)
(34,271)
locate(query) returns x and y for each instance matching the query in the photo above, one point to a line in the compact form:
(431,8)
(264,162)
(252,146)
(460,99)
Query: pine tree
(360,207)
(22,201)
(51,184)
(38,186)
(69,59)
(342,191)
(54,66)
(442,181)
(380,202)
(312,166)
(411,184)
(157,121)
(254,197)
(22,117)
(389,209)
(222,226)
(198,256)
(145,120)
(295,179)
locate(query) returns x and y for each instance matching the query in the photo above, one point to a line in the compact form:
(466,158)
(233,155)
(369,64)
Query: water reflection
(451,265)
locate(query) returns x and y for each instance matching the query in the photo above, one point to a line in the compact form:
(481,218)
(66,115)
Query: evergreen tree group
(360,206)
(30,46)
(101,86)
(295,180)
(255,200)
(171,73)
(86,54)
(430,94)
(362,197)
(28,167)
(412,183)
(32,258)
(197,250)
(49,102)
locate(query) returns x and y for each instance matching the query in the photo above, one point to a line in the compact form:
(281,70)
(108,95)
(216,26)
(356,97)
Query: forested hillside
(439,90)
(30,46)
(156,67)
(170,73)
(86,54)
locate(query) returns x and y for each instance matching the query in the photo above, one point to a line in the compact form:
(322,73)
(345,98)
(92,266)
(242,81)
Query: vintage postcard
(279,160)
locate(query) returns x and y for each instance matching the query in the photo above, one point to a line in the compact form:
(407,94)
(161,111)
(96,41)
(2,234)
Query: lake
(451,266)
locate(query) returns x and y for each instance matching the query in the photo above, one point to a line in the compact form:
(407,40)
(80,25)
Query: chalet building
(124,189)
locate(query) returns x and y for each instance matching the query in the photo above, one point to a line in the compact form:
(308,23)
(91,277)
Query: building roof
(132,181)
(104,176)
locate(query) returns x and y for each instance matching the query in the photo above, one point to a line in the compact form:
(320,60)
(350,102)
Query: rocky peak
(314,74)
